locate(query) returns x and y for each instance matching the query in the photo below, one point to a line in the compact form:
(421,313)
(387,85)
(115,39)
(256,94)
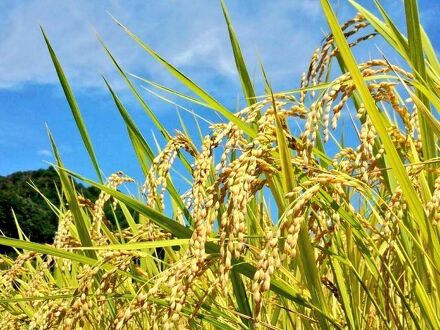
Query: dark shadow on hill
(36,218)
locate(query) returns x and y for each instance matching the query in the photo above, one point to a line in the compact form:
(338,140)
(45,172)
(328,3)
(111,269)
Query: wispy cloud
(44,153)
(192,34)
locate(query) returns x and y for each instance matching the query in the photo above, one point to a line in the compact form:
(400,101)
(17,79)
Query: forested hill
(36,218)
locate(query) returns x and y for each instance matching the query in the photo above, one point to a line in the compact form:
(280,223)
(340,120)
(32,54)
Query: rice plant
(278,230)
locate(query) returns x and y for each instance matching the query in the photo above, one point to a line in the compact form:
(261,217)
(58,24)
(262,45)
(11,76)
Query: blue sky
(190,34)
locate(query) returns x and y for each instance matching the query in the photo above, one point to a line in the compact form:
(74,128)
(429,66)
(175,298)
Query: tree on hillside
(35,217)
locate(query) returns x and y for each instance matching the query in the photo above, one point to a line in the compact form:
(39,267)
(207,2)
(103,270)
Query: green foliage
(35,217)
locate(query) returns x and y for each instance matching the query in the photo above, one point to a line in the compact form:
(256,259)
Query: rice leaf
(377,119)
(73,107)
(246,83)
(78,216)
(191,85)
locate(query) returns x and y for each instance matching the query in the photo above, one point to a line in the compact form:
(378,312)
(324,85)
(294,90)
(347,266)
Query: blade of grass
(191,85)
(246,83)
(377,119)
(142,148)
(138,245)
(241,297)
(135,92)
(60,253)
(308,269)
(73,107)
(173,92)
(20,233)
(163,98)
(69,190)
(418,59)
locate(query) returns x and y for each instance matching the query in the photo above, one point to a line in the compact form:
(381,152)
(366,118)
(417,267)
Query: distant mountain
(35,217)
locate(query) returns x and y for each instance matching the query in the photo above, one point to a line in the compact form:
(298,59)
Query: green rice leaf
(79,216)
(191,85)
(73,107)
(377,119)
(246,83)
(418,59)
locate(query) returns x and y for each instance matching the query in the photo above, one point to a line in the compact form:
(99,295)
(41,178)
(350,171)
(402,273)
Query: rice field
(287,224)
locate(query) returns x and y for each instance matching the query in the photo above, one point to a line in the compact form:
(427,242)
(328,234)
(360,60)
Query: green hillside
(34,215)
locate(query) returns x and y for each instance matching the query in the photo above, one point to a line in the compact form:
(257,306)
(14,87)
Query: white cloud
(207,47)
(192,34)
(44,153)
